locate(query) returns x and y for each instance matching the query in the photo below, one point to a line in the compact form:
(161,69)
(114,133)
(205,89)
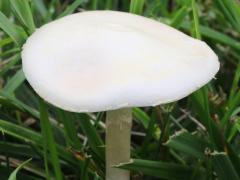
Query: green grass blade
(23,11)
(235,82)
(71,8)
(230,11)
(48,137)
(69,129)
(94,4)
(136,6)
(196,20)
(5,7)
(149,134)
(219,37)
(19,132)
(188,143)
(198,99)
(235,129)
(10,52)
(163,170)
(89,130)
(45,156)
(17,34)
(84,174)
(11,62)
(13,102)
(13,175)
(224,167)
(16,150)
(14,82)
(5,172)
(230,108)
(215,134)
(41,8)
(141,117)
(214,35)
(5,41)
(226,12)
(178,18)
(109,4)
(201,96)
(233,155)
(32,137)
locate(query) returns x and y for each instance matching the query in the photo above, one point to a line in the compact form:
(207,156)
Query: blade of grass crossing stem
(71,8)
(49,138)
(163,169)
(23,11)
(13,175)
(136,6)
(14,82)
(17,34)
(224,167)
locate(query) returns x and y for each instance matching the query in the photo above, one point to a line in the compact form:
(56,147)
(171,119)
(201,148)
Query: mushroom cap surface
(104,60)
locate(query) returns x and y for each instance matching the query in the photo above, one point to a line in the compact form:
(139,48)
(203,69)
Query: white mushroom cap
(103,60)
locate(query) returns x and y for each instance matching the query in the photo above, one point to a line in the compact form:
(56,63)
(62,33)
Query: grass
(195,138)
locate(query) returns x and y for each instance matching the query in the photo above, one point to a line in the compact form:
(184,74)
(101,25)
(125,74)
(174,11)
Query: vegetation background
(195,138)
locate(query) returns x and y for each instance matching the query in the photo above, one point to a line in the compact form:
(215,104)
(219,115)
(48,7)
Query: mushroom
(112,61)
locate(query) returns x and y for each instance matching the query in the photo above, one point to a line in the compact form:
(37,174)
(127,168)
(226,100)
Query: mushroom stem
(118,139)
